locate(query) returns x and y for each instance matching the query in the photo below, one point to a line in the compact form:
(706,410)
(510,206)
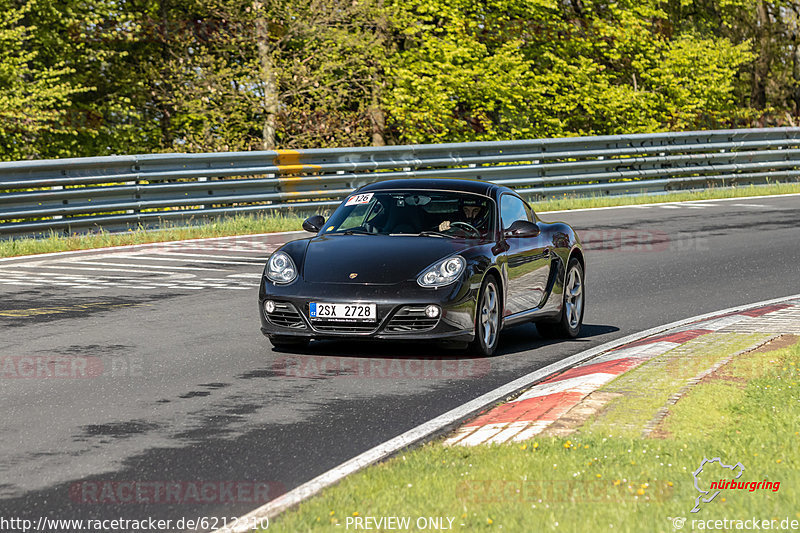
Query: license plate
(354,312)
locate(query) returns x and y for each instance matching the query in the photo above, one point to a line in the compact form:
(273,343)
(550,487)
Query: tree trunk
(268,78)
(377,117)
(796,74)
(166,95)
(758,94)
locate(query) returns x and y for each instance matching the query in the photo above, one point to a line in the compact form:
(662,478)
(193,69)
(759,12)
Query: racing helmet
(475,211)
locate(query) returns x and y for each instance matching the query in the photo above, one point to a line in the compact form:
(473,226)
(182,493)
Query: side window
(513,209)
(529,212)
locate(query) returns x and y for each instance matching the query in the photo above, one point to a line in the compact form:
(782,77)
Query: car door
(527,259)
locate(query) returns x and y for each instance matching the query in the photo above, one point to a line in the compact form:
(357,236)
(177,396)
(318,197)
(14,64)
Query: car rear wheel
(281,341)
(571,319)
(487,320)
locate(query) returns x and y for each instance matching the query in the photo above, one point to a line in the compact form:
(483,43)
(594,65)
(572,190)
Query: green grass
(247,225)
(243,225)
(596,480)
(664,375)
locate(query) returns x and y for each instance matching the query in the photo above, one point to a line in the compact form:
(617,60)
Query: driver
(473,212)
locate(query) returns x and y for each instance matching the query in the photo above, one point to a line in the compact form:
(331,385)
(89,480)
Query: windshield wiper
(356,231)
(435,234)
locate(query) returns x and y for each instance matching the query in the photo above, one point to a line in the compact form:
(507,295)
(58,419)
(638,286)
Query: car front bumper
(400,311)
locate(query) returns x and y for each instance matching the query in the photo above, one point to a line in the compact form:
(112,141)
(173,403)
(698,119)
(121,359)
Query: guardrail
(62,194)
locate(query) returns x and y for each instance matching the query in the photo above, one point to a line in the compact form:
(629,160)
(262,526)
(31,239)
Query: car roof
(439,184)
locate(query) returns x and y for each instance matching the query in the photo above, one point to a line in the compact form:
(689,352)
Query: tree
(539,68)
(33,99)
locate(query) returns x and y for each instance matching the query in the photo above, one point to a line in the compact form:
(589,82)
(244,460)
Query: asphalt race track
(149,366)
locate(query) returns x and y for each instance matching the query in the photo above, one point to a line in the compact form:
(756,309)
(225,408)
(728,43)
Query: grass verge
(248,225)
(567,203)
(223,227)
(746,412)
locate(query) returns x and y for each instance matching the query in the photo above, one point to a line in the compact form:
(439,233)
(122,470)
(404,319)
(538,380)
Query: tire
(487,319)
(280,341)
(569,323)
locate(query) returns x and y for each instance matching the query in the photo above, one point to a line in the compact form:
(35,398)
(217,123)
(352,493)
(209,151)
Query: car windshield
(427,213)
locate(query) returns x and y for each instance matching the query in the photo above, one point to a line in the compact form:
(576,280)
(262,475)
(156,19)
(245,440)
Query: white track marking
(583,384)
(669,206)
(186,260)
(532,430)
(510,431)
(60,267)
(719,323)
(483,433)
(168,275)
(101,282)
(246,258)
(462,432)
(646,351)
(134,265)
(267,249)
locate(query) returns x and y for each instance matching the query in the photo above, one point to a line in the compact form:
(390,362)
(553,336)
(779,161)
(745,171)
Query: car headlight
(281,268)
(443,273)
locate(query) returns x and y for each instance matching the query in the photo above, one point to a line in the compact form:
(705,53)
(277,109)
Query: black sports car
(444,259)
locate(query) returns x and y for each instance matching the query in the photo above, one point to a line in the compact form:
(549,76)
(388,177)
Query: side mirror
(314,224)
(521,229)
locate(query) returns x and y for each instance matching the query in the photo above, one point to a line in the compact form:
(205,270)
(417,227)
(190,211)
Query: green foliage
(99,76)
(539,74)
(32,100)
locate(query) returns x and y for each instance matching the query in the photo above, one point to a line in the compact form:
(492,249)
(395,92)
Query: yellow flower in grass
(355,513)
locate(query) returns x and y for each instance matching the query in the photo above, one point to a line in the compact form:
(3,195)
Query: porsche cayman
(447,260)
